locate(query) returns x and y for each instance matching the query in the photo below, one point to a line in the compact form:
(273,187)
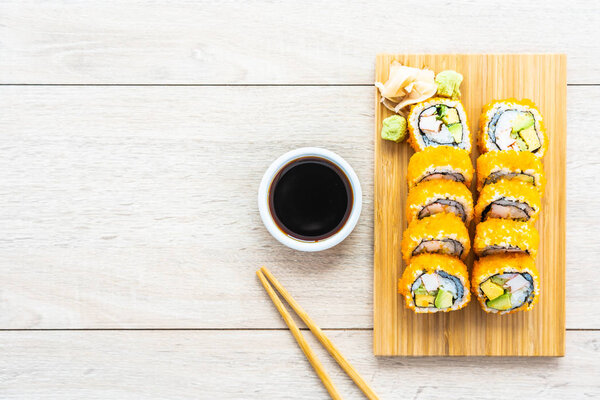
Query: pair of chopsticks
(267,279)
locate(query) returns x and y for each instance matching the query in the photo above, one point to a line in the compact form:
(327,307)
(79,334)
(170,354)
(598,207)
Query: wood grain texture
(128,365)
(184,41)
(129,207)
(540,332)
(122,206)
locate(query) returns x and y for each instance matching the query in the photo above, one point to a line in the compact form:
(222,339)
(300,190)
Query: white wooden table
(133,138)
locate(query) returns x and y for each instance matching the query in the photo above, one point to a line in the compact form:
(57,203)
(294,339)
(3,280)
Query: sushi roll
(439,196)
(503,236)
(510,165)
(439,122)
(435,282)
(440,233)
(506,283)
(514,200)
(440,163)
(512,125)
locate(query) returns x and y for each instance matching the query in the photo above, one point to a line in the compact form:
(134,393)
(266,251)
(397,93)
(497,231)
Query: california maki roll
(514,200)
(503,236)
(439,196)
(434,282)
(439,122)
(510,165)
(441,162)
(440,233)
(512,125)
(507,283)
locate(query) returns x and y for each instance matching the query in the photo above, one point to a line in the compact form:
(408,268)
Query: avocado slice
(491,289)
(451,117)
(531,139)
(498,281)
(501,303)
(421,290)
(443,299)
(525,178)
(522,121)
(424,300)
(456,131)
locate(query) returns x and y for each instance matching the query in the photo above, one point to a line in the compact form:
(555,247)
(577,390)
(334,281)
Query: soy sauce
(310,198)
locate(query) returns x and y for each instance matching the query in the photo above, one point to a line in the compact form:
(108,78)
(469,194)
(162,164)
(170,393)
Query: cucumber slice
(443,299)
(456,131)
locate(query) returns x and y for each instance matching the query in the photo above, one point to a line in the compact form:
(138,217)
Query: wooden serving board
(540,332)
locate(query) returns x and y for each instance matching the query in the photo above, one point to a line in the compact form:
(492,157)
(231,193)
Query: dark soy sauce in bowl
(310,198)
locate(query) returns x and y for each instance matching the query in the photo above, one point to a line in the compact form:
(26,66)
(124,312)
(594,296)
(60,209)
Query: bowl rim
(263,200)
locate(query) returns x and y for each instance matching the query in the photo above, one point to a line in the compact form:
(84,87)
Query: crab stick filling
(443,206)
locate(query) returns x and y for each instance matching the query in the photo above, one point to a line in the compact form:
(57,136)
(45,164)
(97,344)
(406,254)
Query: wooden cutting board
(540,332)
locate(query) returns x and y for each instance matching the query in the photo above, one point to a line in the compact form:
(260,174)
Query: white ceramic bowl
(305,245)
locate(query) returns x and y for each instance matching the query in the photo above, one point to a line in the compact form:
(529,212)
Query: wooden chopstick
(308,352)
(328,344)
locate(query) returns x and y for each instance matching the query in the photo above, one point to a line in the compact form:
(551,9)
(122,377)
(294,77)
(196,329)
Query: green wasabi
(394,128)
(448,84)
